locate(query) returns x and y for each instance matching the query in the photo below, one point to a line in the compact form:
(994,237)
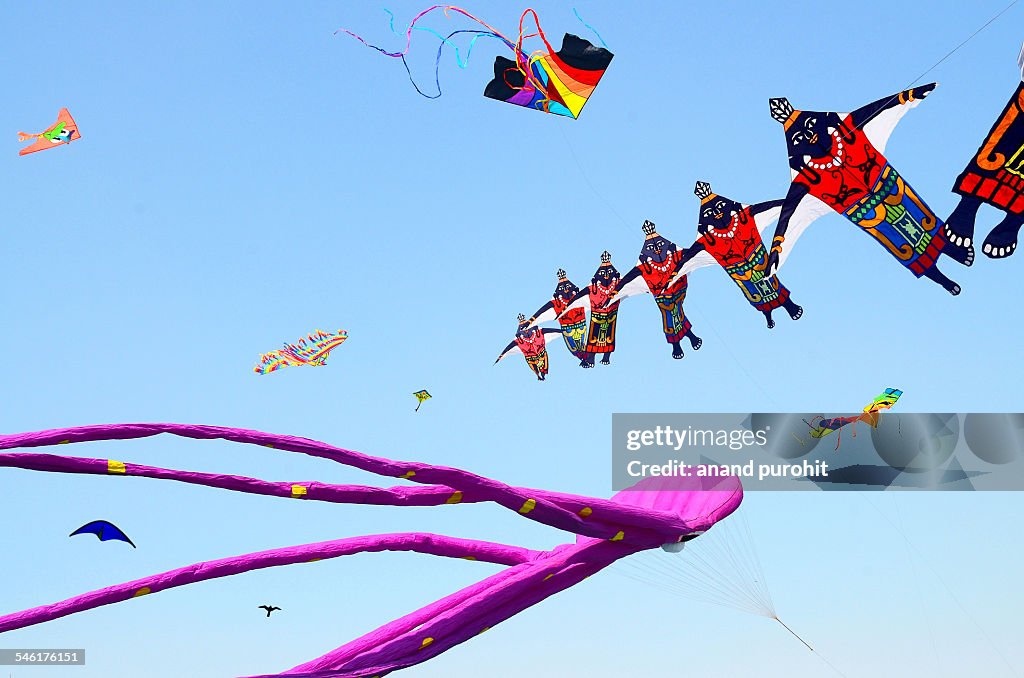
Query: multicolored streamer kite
(558,82)
(64,131)
(871,413)
(313,350)
(658,512)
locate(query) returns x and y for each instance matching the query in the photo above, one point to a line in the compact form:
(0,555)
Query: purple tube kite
(656,512)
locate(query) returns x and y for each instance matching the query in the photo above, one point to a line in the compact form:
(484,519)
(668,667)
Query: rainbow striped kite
(558,82)
(313,350)
(871,415)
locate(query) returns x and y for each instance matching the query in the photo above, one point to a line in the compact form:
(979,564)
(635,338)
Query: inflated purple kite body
(656,512)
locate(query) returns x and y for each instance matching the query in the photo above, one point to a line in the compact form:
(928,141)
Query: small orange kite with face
(64,131)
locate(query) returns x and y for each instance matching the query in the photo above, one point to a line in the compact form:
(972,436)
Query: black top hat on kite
(606,258)
(649,229)
(521,318)
(561,274)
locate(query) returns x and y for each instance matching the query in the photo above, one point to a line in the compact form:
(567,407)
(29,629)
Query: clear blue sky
(244,177)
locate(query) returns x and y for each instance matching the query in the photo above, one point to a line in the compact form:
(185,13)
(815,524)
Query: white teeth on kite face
(967,242)
(988,248)
(807,159)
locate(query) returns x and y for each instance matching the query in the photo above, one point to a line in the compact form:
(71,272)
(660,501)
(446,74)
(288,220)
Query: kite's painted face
(813,137)
(605,275)
(58,134)
(565,290)
(524,330)
(720,213)
(657,249)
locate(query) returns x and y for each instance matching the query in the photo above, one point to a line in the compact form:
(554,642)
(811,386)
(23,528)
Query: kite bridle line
(830,664)
(722,568)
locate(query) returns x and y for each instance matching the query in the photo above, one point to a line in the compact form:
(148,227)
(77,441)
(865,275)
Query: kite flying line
(948,54)
(942,581)
(955,49)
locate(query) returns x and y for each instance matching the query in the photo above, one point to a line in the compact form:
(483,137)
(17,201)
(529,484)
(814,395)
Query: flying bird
(104,531)
(269,608)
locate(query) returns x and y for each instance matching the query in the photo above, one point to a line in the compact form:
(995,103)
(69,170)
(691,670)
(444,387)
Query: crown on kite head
(606,258)
(521,318)
(782,111)
(703,191)
(561,274)
(649,228)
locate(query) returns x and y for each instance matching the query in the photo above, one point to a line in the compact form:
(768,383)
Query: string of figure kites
(837,164)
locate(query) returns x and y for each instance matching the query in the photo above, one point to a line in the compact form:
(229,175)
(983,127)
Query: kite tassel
(24,136)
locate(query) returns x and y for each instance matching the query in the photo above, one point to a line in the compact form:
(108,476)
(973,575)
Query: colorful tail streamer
(592,29)
(549,81)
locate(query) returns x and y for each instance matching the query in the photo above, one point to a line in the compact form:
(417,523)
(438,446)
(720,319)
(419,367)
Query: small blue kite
(104,530)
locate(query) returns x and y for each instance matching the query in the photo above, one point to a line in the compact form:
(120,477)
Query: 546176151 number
(42,657)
